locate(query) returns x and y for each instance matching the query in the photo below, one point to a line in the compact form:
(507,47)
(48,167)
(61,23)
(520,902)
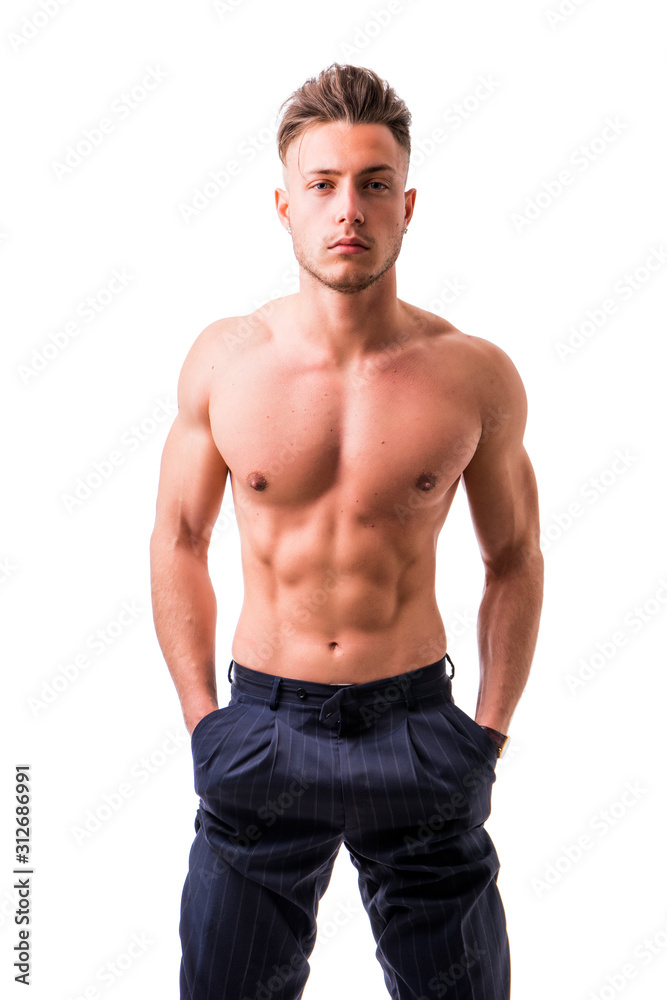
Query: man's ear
(410,204)
(282,206)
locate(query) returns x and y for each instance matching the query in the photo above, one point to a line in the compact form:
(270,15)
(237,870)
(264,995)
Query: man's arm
(502,495)
(192,484)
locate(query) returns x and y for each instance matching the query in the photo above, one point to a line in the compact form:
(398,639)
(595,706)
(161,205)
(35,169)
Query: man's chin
(352,287)
(347,284)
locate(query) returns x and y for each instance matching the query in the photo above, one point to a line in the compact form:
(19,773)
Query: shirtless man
(345,419)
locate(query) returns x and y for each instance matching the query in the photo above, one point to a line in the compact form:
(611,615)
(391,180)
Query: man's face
(346,181)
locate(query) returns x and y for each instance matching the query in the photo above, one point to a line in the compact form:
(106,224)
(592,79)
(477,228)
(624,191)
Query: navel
(426,482)
(257,481)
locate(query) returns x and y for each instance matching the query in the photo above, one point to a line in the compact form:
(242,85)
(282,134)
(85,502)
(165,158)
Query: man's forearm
(507,628)
(184,610)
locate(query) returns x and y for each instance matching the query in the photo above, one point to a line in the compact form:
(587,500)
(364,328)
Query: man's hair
(352,94)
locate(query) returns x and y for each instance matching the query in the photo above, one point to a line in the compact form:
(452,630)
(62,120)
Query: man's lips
(351,245)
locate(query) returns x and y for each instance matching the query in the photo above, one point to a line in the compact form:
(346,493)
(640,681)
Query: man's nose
(348,205)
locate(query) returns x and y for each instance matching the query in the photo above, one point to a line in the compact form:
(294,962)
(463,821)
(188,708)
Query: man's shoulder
(231,333)
(226,341)
(480,355)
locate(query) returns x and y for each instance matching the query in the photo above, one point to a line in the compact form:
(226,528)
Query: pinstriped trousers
(287,772)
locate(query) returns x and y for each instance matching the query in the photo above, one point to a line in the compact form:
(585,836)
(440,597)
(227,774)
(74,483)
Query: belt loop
(273,703)
(447,657)
(229,672)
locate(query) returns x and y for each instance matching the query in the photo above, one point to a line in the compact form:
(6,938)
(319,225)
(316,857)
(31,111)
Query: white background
(587,762)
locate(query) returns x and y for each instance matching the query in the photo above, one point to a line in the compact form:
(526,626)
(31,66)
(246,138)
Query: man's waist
(421,681)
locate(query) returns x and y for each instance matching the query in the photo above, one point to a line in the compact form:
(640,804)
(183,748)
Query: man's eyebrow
(338,173)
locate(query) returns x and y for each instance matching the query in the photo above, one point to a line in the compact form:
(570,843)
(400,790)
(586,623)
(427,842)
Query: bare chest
(372,439)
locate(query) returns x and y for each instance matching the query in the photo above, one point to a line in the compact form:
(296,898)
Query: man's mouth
(349,245)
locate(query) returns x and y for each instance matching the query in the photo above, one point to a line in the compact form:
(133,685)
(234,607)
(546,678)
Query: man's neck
(347,326)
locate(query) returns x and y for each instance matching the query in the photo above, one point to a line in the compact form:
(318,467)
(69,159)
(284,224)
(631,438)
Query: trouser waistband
(410,686)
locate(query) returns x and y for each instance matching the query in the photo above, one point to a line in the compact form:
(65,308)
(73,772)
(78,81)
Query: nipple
(426,482)
(257,481)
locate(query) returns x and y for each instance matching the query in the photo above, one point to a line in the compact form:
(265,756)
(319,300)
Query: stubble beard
(353,281)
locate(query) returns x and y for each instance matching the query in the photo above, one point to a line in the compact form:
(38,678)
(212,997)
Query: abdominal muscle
(336,603)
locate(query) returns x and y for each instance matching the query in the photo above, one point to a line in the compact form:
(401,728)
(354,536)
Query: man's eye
(320,185)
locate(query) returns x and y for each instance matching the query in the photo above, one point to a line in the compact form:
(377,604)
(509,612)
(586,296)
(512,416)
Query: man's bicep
(499,480)
(193,475)
(502,496)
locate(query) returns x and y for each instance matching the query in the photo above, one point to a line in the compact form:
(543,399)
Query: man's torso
(342,477)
